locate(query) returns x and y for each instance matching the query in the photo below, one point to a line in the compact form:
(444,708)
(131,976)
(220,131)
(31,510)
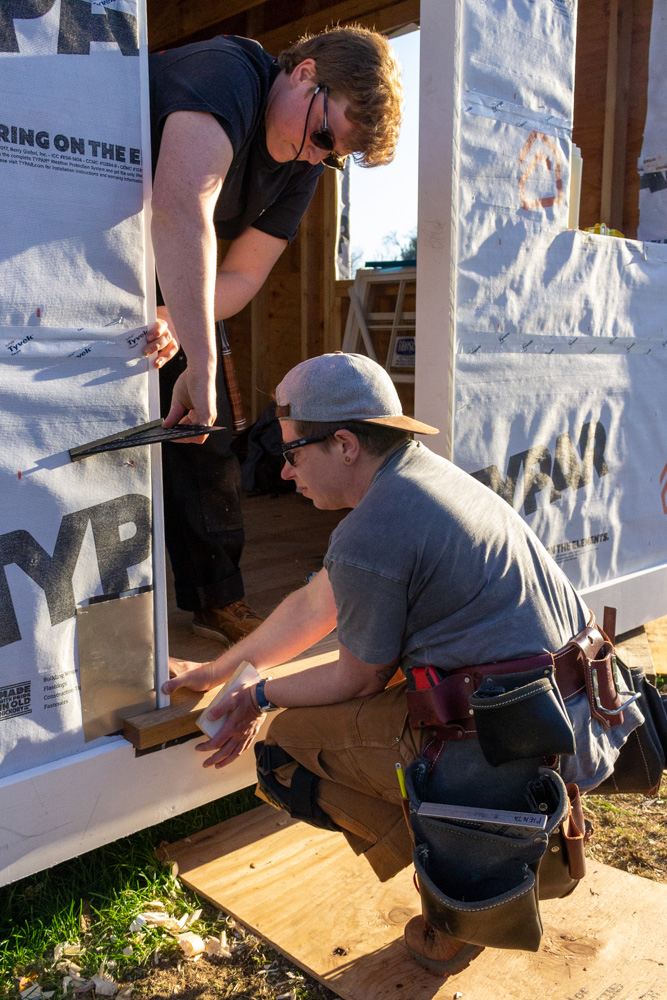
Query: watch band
(263,703)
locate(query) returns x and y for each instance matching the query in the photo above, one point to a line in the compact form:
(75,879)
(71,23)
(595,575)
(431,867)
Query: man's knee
(299,798)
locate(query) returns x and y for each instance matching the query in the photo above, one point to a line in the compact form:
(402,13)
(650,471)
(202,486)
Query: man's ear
(305,72)
(349,445)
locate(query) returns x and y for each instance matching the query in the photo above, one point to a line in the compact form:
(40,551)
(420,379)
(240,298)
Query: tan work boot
(227,625)
(436,951)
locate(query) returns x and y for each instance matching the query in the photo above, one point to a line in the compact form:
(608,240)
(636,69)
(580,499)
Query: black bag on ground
(263,460)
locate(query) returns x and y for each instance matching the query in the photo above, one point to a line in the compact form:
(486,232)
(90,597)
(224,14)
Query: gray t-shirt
(436,569)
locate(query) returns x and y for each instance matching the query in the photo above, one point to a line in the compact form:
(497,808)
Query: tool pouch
(520,715)
(493,905)
(601,688)
(564,862)
(480,882)
(643,756)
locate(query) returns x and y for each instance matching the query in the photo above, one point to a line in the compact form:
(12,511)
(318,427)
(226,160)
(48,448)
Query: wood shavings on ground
(191,944)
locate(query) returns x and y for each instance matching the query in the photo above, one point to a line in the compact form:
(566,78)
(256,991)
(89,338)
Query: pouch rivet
(471,711)
(466,680)
(555,850)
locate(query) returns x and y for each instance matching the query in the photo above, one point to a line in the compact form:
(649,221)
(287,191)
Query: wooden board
(305,892)
(635,650)
(151,729)
(656,633)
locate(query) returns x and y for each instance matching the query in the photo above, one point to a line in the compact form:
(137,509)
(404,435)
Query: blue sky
(384,199)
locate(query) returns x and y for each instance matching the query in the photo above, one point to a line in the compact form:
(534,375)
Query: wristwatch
(263,703)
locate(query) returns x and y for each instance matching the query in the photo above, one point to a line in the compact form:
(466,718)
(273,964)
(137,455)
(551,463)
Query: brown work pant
(353,747)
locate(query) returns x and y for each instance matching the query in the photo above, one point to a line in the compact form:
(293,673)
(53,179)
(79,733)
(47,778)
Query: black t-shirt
(230,78)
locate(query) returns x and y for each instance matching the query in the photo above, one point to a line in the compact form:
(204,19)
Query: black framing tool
(150,433)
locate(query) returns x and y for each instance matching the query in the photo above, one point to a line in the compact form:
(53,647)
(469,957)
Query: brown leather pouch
(603,696)
(574,834)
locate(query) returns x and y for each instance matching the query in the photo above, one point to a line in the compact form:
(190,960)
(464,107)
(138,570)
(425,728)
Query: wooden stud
(635,650)
(259,363)
(616,113)
(369,13)
(656,633)
(331,333)
(151,729)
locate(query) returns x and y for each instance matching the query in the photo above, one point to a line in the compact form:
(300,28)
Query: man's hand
(192,402)
(243,722)
(195,676)
(161,340)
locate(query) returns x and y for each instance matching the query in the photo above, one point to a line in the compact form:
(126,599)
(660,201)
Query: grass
(91,901)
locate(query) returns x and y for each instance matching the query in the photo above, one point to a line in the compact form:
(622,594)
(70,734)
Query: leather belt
(584,664)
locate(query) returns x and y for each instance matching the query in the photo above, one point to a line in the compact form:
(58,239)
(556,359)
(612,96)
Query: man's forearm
(233,292)
(185,259)
(244,270)
(327,684)
(298,622)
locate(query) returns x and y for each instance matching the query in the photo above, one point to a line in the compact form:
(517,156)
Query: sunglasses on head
(322,137)
(289,449)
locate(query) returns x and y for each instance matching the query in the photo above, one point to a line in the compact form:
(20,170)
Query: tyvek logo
(540,153)
(663,495)
(541,471)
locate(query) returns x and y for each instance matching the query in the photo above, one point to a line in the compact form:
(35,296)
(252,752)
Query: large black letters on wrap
(54,573)
(79,26)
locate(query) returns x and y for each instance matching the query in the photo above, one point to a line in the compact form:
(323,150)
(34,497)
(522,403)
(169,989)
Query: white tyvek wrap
(72,242)
(653,159)
(46,410)
(561,337)
(72,324)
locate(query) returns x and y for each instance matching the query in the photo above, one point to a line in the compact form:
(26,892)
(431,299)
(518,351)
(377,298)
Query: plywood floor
(305,892)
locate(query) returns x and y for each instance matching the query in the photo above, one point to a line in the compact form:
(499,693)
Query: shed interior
(302,308)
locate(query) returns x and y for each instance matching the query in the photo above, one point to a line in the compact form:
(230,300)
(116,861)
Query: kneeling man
(435,577)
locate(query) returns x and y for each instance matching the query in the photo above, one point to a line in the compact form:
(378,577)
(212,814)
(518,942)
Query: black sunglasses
(289,449)
(322,137)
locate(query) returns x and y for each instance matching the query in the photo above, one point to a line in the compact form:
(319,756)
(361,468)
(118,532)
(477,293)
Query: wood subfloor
(311,898)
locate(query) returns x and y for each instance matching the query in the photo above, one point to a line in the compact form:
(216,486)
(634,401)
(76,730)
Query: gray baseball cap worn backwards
(343,387)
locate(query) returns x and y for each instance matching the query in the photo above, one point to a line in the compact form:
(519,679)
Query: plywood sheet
(305,892)
(656,633)
(635,650)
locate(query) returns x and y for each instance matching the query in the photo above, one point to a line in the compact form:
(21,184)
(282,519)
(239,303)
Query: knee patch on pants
(299,799)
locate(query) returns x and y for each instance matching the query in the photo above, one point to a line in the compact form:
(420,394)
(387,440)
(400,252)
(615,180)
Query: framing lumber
(259,363)
(656,633)
(305,892)
(635,650)
(369,13)
(173,21)
(616,113)
(152,729)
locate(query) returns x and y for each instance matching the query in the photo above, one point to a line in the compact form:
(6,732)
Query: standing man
(432,574)
(239,141)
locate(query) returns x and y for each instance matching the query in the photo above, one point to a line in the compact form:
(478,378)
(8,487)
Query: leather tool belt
(455,704)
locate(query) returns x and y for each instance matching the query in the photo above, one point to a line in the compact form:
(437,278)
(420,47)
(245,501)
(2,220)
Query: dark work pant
(202,506)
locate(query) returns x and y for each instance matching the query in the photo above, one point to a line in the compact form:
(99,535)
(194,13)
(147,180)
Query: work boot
(436,951)
(227,625)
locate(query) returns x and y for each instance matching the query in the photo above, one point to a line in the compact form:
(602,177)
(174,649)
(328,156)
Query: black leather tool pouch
(479,871)
(480,887)
(643,756)
(521,715)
